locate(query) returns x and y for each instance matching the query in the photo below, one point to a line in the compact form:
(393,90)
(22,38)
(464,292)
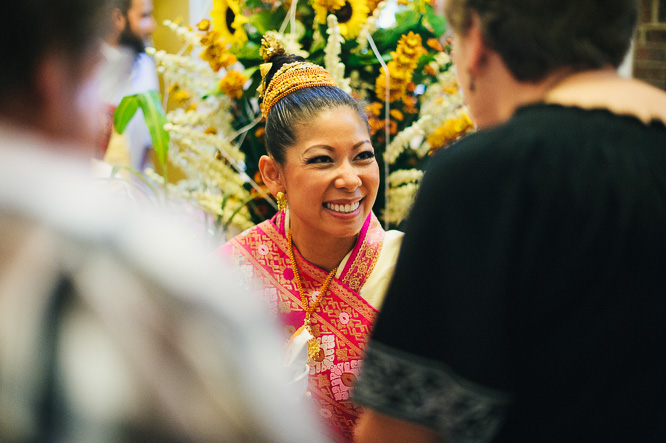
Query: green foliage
(437,22)
(154,115)
(124,112)
(266,21)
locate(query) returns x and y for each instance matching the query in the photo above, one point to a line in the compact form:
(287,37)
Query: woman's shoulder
(544,133)
(374,289)
(393,238)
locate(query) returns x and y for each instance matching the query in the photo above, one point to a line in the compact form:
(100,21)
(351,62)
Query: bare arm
(374,427)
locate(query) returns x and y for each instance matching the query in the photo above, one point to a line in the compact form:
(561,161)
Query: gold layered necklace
(313,344)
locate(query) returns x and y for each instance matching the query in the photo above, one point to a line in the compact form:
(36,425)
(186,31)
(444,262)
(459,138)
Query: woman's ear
(118,20)
(271,174)
(476,46)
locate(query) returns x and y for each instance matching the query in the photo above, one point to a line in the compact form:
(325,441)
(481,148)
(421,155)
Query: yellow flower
(450,131)
(451,89)
(399,74)
(374,109)
(410,40)
(203,25)
(217,57)
(405,60)
(393,127)
(259,133)
(410,104)
(375,125)
(396,114)
(181,96)
(372,5)
(212,55)
(351,14)
(229,21)
(379,125)
(351,17)
(232,84)
(323,7)
(409,47)
(397,85)
(435,44)
(227,59)
(209,38)
(409,100)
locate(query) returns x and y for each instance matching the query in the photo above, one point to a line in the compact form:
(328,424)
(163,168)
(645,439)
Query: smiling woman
(324,260)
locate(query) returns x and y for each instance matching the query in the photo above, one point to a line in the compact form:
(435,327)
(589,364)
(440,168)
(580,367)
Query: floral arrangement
(215,133)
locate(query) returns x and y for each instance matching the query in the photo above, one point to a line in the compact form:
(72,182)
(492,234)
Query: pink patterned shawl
(342,321)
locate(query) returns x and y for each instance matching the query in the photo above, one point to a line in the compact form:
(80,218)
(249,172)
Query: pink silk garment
(341,323)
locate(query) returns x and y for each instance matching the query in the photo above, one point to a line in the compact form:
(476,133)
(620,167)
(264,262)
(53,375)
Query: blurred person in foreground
(128,70)
(112,326)
(528,303)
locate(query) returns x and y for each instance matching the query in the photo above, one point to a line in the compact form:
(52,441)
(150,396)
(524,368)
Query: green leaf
(367,59)
(247,52)
(437,22)
(249,72)
(406,21)
(124,112)
(225,198)
(254,4)
(155,117)
(266,20)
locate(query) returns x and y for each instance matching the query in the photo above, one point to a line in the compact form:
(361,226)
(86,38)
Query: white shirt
(148,332)
(125,73)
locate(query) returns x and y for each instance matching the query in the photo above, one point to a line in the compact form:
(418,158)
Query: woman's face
(331,176)
(474,96)
(477,73)
(459,58)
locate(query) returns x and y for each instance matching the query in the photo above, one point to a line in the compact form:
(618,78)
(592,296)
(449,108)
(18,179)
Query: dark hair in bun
(300,107)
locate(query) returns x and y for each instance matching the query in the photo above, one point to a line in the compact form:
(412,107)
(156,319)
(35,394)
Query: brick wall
(650,44)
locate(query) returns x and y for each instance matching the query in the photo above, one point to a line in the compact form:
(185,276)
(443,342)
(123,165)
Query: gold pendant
(313,349)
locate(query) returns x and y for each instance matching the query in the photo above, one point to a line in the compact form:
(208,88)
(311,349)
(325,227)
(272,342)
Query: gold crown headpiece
(289,78)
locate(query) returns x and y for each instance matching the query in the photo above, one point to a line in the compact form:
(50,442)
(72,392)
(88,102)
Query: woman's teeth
(345,209)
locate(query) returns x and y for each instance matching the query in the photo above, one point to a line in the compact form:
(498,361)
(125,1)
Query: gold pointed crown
(289,78)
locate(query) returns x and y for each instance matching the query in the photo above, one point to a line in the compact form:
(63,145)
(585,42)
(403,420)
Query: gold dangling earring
(281,200)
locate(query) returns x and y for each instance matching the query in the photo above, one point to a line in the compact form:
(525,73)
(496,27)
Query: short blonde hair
(534,38)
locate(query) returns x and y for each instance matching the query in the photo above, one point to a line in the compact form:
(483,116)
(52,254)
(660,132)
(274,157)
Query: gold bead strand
(313,344)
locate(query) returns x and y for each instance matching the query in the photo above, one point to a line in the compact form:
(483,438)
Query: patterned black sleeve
(428,393)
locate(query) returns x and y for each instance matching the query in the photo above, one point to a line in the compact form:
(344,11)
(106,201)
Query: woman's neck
(323,251)
(500,94)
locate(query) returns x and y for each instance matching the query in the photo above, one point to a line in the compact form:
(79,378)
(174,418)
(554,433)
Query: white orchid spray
(370,26)
(401,200)
(332,50)
(404,138)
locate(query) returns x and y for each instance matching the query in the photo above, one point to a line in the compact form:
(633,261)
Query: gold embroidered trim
(291,77)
